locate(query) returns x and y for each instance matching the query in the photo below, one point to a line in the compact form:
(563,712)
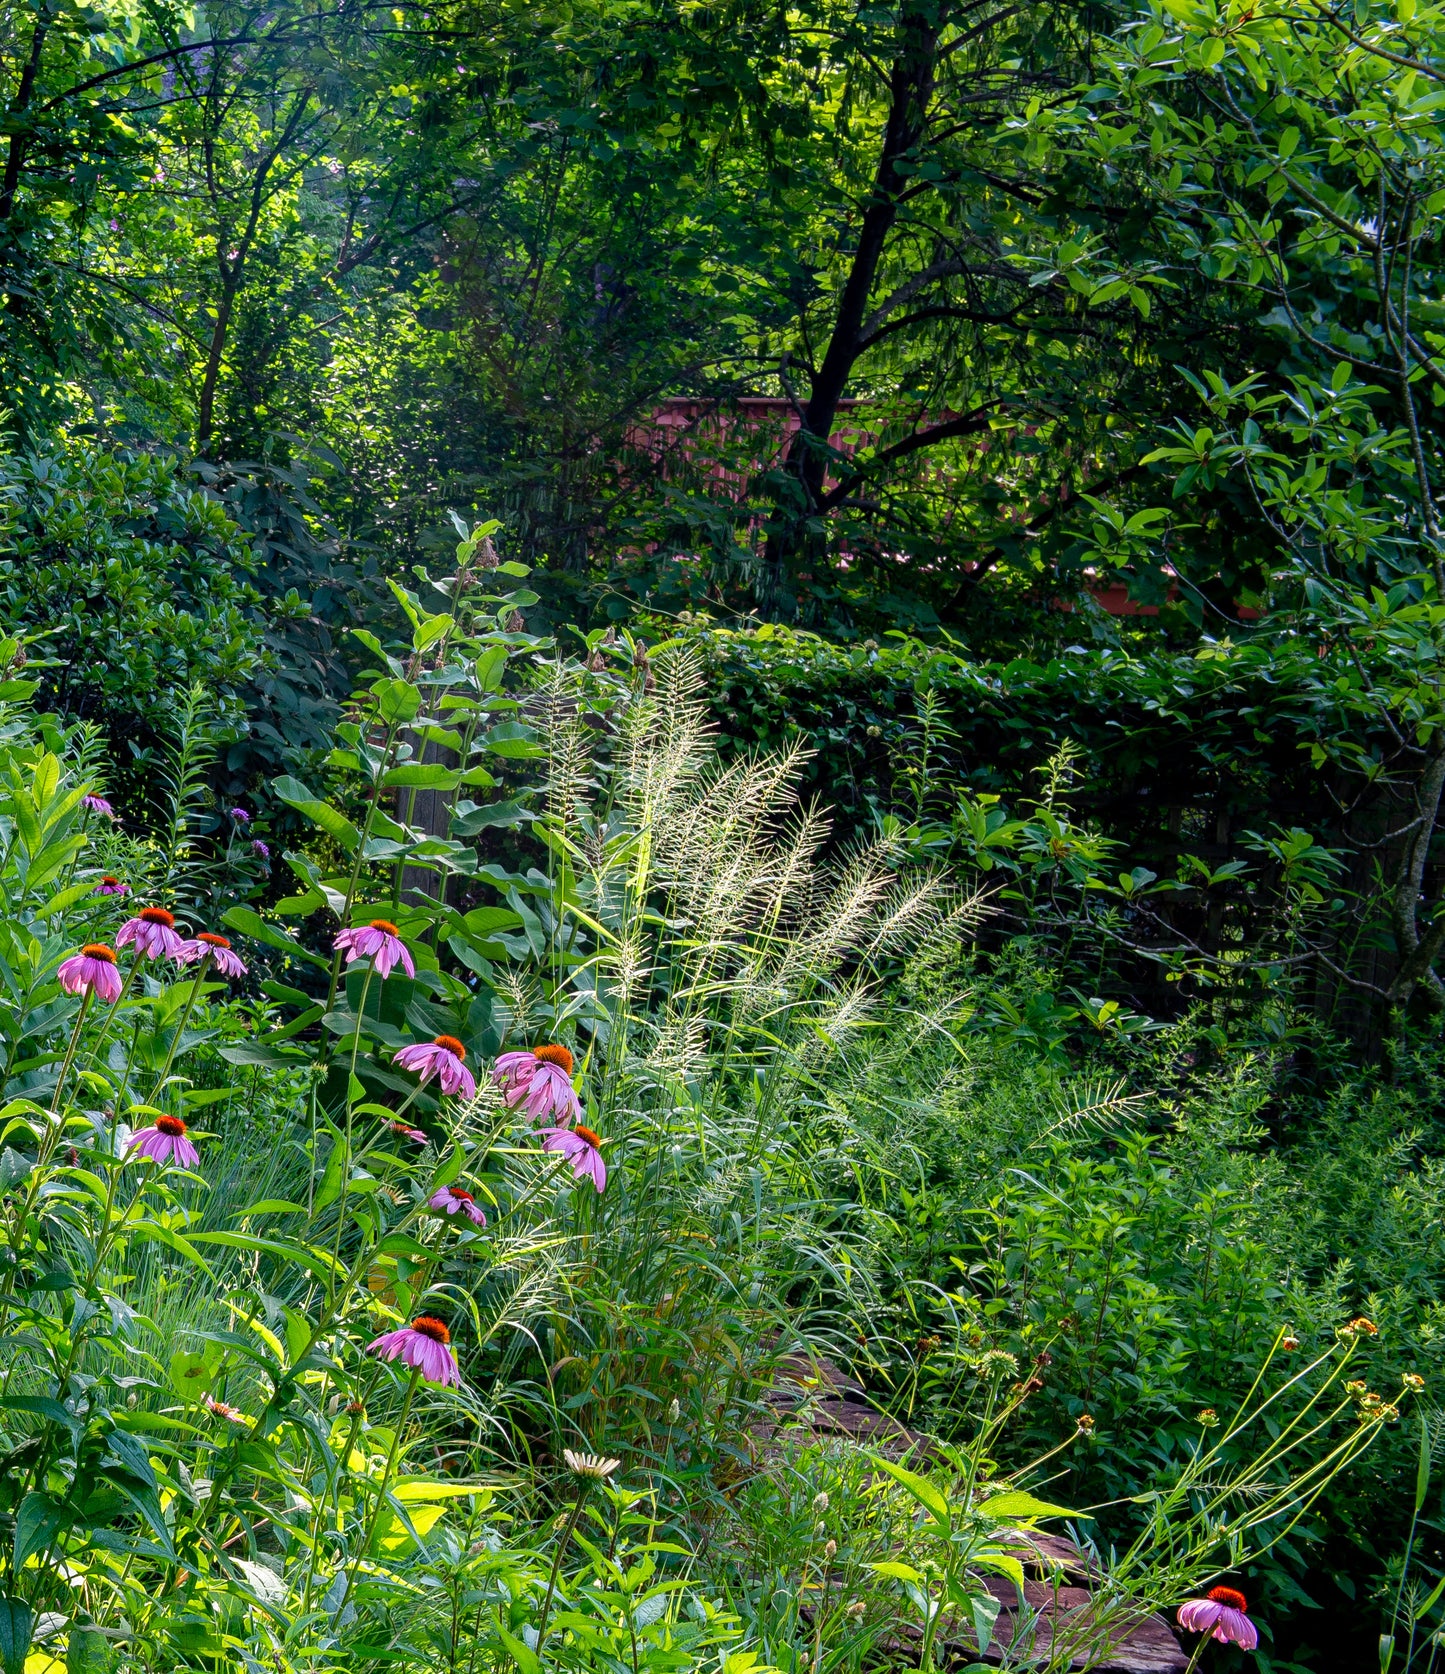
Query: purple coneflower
(240,816)
(94,804)
(165,1142)
(1220,1613)
(111,886)
(259,849)
(541,1080)
(402,1131)
(229,964)
(422,1345)
(91,971)
(231,1414)
(153,930)
(380,941)
(452,1200)
(582,1148)
(445,1058)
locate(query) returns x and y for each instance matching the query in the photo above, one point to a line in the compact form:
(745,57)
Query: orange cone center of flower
(385,925)
(558,1055)
(211,939)
(172,1125)
(593,1139)
(1227,1596)
(107,879)
(98,950)
(158,915)
(433,1328)
(460,1195)
(450,1043)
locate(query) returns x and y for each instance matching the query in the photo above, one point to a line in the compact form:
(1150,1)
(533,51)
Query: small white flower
(591,1465)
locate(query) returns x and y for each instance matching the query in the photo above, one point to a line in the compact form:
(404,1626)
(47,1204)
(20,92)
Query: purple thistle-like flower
(380,941)
(422,1345)
(165,1142)
(111,886)
(1221,1614)
(91,971)
(94,804)
(240,816)
(452,1200)
(259,849)
(153,930)
(444,1058)
(540,1081)
(582,1148)
(229,964)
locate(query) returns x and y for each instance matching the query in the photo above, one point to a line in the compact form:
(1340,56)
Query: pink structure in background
(687,427)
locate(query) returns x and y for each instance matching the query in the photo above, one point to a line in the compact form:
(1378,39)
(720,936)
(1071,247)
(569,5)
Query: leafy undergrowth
(396,1279)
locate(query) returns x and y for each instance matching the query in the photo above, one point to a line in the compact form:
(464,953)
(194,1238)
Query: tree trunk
(800,502)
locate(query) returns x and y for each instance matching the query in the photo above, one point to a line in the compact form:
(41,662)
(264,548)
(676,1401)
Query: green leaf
(245,921)
(1021,1507)
(331,820)
(37,1522)
(522,1654)
(65,899)
(15,1628)
(422,775)
(897,1571)
(919,1487)
(87,1651)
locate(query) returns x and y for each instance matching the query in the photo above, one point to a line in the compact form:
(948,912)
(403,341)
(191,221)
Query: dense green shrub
(130,579)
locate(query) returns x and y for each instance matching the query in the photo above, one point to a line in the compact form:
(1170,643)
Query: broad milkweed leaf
(1020,1507)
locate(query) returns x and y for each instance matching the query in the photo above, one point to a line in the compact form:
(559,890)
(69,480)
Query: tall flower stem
(191,999)
(114,1012)
(71,1045)
(382,1491)
(563,1541)
(350,1077)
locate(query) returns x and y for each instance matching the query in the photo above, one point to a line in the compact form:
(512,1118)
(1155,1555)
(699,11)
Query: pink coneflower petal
(165,1142)
(222,958)
(443,1058)
(111,886)
(582,1148)
(94,804)
(153,932)
(91,971)
(1222,1615)
(452,1200)
(540,1081)
(380,941)
(422,1345)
